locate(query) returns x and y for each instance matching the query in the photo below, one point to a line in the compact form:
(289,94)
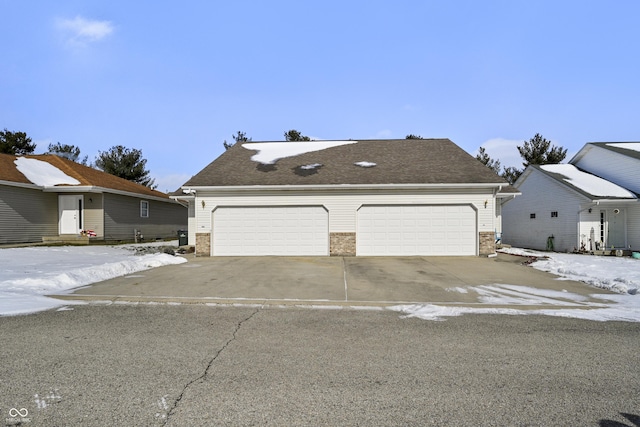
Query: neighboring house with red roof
(589,204)
(372,197)
(46,197)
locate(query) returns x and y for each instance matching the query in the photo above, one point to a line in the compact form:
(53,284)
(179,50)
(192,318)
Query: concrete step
(75,239)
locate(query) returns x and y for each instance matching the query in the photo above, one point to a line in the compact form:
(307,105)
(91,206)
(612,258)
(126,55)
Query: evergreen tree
(17,143)
(239,137)
(539,151)
(125,163)
(294,135)
(70,152)
(486,160)
(511,174)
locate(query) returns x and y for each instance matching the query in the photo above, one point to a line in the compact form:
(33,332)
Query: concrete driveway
(351,281)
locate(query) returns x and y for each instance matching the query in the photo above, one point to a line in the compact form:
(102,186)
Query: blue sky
(177,79)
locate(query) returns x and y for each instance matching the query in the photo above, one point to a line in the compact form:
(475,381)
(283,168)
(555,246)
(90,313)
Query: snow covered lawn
(28,274)
(617,274)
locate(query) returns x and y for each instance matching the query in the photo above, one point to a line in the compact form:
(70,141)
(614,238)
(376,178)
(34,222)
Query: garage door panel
(282,230)
(416,230)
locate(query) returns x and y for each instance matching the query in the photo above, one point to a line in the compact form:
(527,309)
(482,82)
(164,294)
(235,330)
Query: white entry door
(70,214)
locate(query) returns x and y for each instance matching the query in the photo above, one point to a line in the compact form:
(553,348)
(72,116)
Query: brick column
(203,244)
(342,244)
(487,242)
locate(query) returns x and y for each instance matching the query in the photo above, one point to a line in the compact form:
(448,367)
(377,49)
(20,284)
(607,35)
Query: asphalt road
(195,365)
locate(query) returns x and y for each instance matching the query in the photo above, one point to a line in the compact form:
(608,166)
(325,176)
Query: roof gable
(84,175)
(368,162)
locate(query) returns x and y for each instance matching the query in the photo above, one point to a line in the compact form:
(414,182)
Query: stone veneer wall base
(203,244)
(487,242)
(342,244)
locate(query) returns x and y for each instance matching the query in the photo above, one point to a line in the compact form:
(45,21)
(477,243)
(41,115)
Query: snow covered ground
(27,275)
(617,274)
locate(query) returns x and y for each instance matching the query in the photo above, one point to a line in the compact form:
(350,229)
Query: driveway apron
(377,281)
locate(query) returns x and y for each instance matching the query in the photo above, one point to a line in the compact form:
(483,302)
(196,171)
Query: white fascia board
(506,195)
(183,197)
(488,186)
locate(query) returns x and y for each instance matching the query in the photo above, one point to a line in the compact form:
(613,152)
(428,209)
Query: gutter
(344,187)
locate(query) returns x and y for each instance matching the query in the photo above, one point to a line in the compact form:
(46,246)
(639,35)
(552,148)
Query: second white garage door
(416,230)
(279,230)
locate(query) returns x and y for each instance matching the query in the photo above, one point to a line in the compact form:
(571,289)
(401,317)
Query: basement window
(532,216)
(144,209)
(554,214)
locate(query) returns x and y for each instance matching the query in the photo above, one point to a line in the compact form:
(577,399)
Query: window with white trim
(144,209)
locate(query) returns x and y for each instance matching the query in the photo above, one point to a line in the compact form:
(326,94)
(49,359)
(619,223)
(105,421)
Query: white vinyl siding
(407,230)
(633,227)
(343,205)
(619,169)
(542,195)
(274,230)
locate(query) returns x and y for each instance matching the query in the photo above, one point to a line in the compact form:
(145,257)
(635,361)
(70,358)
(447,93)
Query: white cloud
(80,31)
(505,150)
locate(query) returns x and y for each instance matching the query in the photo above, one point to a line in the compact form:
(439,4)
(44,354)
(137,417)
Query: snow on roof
(635,146)
(43,173)
(365,164)
(588,183)
(270,152)
(311,166)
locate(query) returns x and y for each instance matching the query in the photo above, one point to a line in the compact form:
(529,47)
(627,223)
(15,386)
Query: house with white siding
(49,198)
(364,198)
(589,204)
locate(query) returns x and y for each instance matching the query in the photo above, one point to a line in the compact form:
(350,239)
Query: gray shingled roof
(401,161)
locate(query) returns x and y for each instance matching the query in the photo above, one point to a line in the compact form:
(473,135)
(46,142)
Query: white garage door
(282,230)
(416,230)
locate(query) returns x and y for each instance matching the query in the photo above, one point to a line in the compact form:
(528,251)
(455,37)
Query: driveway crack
(173,407)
